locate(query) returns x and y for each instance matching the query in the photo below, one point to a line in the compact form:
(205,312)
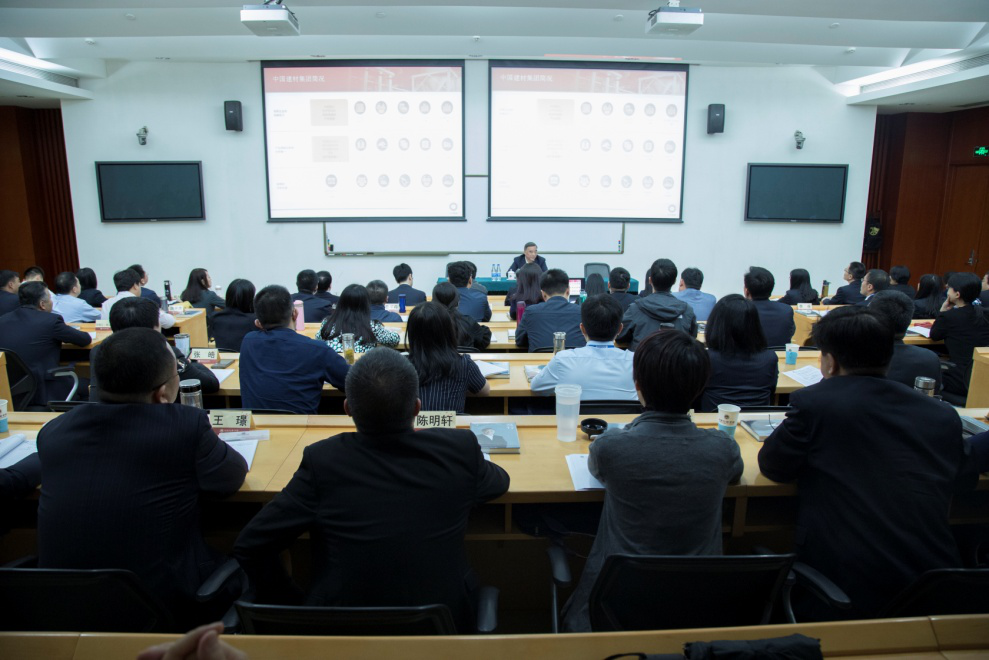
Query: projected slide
(364,142)
(587,142)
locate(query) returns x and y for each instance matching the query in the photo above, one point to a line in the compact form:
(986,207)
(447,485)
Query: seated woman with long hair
(963,326)
(353,315)
(743,371)
(469,332)
(927,303)
(800,290)
(231,324)
(595,285)
(89,292)
(199,292)
(445,376)
(526,289)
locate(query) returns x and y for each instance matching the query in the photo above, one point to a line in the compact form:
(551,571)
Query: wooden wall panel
(970,128)
(17,246)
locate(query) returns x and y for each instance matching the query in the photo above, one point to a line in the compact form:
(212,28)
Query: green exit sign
(982,151)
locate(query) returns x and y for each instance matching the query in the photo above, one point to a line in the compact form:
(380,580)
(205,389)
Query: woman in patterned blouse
(353,315)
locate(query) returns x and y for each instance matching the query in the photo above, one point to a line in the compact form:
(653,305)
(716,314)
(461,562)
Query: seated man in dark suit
(875,280)
(876,465)
(851,293)
(323,283)
(474,284)
(37,335)
(145,291)
(900,281)
(123,478)
(619,281)
(377,292)
(386,507)
(472,303)
(908,362)
(530,255)
(776,318)
(279,368)
(9,282)
(659,309)
(403,276)
(314,309)
(141,313)
(556,314)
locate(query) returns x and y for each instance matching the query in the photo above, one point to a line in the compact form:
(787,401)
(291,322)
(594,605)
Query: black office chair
(941,592)
(601,269)
(23,384)
(66,406)
(610,407)
(259,619)
(658,592)
(542,349)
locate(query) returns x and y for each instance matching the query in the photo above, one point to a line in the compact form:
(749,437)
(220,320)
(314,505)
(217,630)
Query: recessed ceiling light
(906,104)
(162,58)
(835,26)
(475,55)
(89,41)
(850,51)
(619,18)
(130,17)
(380,14)
(317,56)
(25,96)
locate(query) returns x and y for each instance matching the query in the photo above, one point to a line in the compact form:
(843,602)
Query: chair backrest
(66,406)
(23,384)
(601,269)
(943,591)
(542,349)
(613,407)
(653,592)
(349,621)
(105,600)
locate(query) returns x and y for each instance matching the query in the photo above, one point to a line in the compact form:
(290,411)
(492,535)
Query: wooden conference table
(805,325)
(192,323)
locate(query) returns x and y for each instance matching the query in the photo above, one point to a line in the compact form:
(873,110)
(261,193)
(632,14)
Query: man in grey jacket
(660,309)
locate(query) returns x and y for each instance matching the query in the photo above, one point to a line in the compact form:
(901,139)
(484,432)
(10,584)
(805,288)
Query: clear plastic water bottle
(498,270)
(494,272)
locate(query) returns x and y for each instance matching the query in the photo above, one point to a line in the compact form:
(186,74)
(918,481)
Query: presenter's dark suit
(37,337)
(230,326)
(777,321)
(8,302)
(412,296)
(474,304)
(314,309)
(386,514)
(876,465)
(520,261)
(122,490)
(540,322)
(849,294)
(909,362)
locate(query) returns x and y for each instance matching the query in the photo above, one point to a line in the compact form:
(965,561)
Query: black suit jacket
(313,309)
(122,489)
(412,296)
(849,294)
(876,465)
(909,362)
(470,332)
(519,261)
(20,479)
(386,514)
(540,322)
(94,297)
(37,337)
(8,302)
(962,329)
(625,299)
(777,321)
(327,296)
(230,326)
(905,289)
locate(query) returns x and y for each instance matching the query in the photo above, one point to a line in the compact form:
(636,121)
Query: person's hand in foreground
(202,643)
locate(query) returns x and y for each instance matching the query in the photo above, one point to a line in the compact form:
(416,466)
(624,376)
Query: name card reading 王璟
(102,325)
(205,355)
(436,419)
(230,420)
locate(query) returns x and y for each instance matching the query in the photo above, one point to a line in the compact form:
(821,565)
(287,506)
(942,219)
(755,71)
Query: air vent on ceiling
(977,104)
(25,70)
(954,67)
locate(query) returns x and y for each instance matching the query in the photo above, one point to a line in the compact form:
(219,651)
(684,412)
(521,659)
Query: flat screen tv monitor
(796,193)
(150,192)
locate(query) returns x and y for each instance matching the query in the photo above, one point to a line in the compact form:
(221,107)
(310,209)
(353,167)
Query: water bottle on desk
(300,319)
(191,393)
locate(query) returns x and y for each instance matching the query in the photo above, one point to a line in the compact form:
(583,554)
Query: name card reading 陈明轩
(436,419)
(230,420)
(102,325)
(205,355)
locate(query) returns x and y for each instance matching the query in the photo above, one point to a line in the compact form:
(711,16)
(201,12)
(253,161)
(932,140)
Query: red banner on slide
(363,79)
(588,80)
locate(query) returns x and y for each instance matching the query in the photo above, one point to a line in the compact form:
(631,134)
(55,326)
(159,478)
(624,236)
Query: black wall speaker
(233,118)
(716,118)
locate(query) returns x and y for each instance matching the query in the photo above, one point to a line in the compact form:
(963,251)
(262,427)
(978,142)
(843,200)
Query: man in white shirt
(67,302)
(603,371)
(128,284)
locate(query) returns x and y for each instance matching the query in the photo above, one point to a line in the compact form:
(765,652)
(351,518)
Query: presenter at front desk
(529,255)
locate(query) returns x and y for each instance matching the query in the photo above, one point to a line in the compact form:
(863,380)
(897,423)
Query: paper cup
(728,418)
(792,350)
(567,412)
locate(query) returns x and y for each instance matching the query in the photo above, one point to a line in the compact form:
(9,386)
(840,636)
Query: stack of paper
(493,369)
(581,476)
(14,448)
(223,374)
(806,376)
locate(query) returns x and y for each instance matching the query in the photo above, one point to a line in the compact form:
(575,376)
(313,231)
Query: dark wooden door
(963,244)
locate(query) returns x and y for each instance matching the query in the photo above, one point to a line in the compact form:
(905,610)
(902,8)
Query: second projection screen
(587,142)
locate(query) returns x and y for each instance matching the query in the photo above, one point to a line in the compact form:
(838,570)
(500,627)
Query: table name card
(176,309)
(230,420)
(433,419)
(205,355)
(102,324)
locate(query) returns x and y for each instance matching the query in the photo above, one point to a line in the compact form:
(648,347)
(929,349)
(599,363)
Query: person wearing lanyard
(603,371)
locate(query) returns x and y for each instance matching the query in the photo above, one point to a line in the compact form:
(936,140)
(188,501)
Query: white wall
(182,106)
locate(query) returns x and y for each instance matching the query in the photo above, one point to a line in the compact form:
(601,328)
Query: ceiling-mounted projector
(270,20)
(674,20)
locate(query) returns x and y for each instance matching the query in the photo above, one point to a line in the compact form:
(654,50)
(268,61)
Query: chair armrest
(28,561)
(62,370)
(821,586)
(487,610)
(226,572)
(559,566)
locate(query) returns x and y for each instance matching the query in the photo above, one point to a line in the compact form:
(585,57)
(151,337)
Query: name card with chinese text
(102,325)
(176,309)
(205,355)
(436,419)
(230,420)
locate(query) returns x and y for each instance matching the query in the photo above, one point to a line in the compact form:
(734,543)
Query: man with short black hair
(908,362)
(123,479)
(37,335)
(850,293)
(323,283)
(314,309)
(128,283)
(619,280)
(875,280)
(775,317)
(876,465)
(377,292)
(659,309)
(900,281)
(603,371)
(473,303)
(280,368)
(385,507)
(556,314)
(67,303)
(473,277)
(9,281)
(691,280)
(403,276)
(145,291)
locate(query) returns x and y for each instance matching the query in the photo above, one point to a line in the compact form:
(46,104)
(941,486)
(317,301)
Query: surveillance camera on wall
(142,136)
(800,139)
